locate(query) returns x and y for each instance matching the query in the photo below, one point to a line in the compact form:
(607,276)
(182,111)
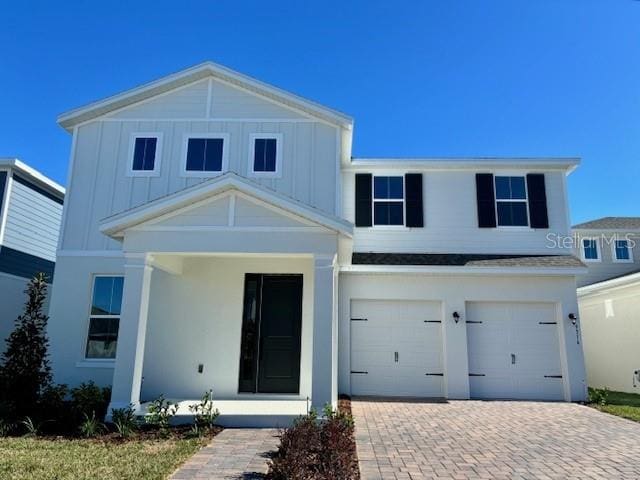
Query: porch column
(325,381)
(127,375)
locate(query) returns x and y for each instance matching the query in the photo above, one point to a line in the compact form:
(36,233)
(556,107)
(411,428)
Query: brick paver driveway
(493,440)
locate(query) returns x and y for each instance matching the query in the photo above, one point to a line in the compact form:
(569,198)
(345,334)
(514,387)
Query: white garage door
(396,348)
(514,351)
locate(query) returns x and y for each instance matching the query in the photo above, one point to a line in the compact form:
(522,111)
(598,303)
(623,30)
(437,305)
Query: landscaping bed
(318,449)
(621,404)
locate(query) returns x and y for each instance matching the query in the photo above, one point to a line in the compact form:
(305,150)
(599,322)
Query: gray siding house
(30,218)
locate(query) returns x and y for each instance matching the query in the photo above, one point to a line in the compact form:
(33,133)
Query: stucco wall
(454,292)
(611,332)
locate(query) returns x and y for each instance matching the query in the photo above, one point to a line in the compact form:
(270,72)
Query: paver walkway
(493,440)
(233,454)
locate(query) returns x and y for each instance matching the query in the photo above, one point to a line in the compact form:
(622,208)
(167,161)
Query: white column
(456,363)
(325,381)
(127,375)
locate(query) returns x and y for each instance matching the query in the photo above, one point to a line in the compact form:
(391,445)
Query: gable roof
(193,74)
(610,223)
(116,224)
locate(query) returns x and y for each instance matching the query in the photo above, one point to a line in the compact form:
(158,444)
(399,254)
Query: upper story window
(388,200)
(205,154)
(104,318)
(590,250)
(265,155)
(145,154)
(622,251)
(511,202)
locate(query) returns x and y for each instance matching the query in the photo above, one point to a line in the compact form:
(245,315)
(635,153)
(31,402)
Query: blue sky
(421,78)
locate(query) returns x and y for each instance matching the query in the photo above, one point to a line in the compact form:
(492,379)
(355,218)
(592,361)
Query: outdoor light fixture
(573,318)
(456,317)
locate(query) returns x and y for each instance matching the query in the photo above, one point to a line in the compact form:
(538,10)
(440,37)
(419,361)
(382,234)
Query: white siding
(607,268)
(100,186)
(33,222)
(451,220)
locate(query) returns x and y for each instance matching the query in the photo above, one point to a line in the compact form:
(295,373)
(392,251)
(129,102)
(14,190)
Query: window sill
(591,260)
(264,175)
(143,173)
(622,261)
(201,174)
(108,363)
(515,228)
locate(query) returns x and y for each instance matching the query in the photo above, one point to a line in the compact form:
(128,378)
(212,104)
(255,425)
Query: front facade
(609,300)
(30,214)
(218,235)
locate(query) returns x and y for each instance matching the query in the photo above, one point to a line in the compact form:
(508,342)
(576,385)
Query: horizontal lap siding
(33,222)
(451,220)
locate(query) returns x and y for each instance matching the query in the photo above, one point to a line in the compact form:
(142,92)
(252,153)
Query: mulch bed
(344,405)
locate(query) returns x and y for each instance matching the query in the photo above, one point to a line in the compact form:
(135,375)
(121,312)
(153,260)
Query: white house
(609,301)
(218,234)
(30,214)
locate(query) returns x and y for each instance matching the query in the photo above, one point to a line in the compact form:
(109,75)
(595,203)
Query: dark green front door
(271,334)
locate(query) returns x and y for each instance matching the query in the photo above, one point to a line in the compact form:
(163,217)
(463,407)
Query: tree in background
(25,372)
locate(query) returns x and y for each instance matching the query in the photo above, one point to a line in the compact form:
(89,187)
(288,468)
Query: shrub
(599,396)
(205,413)
(91,426)
(160,412)
(32,427)
(89,399)
(318,450)
(6,428)
(25,370)
(124,420)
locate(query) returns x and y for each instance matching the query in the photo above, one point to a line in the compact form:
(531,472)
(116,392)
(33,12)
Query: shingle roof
(466,260)
(611,223)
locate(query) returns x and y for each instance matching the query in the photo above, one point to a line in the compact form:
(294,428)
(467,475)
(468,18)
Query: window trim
(583,252)
(87,361)
(525,201)
(156,161)
(224,167)
(614,253)
(403,201)
(278,137)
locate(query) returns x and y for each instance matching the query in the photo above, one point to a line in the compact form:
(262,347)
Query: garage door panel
(525,330)
(396,327)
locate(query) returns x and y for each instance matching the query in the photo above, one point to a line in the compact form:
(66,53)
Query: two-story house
(609,301)
(219,234)
(30,215)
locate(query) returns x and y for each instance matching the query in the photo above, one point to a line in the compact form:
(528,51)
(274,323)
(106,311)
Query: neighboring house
(609,299)
(30,214)
(218,234)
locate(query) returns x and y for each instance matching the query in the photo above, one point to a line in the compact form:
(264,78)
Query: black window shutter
(486,200)
(413,200)
(538,216)
(363,200)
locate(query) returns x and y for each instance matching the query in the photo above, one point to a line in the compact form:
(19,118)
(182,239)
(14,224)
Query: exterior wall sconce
(456,317)
(573,319)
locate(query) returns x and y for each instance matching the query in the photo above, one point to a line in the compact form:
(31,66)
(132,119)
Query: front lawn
(61,459)
(622,404)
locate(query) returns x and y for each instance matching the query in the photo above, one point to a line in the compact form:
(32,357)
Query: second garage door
(396,348)
(514,351)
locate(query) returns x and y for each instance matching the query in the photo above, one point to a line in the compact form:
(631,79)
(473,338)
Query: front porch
(231,288)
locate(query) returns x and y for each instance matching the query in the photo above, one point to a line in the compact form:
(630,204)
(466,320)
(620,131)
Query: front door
(271,334)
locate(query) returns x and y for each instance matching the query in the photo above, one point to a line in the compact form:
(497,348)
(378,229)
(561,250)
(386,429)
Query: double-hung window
(590,250)
(265,155)
(104,318)
(205,154)
(145,154)
(388,200)
(622,251)
(511,202)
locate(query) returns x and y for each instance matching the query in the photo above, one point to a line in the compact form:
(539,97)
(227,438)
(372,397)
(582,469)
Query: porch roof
(115,225)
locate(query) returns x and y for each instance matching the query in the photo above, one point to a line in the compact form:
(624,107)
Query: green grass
(626,405)
(58,459)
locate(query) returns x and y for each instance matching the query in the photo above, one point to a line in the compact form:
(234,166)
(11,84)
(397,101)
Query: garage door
(396,348)
(514,351)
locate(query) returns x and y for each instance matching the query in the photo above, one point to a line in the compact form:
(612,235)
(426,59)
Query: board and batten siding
(451,218)
(33,222)
(100,186)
